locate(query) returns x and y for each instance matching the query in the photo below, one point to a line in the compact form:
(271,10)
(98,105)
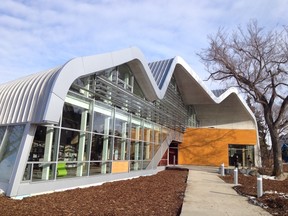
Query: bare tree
(265,153)
(256,61)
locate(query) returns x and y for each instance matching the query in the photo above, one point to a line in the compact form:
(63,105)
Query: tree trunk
(277,154)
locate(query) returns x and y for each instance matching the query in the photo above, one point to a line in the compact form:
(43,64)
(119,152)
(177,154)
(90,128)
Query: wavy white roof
(39,98)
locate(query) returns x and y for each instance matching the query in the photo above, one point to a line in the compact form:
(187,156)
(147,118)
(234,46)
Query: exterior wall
(209,146)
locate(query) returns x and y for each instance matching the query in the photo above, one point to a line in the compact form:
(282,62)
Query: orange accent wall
(120,166)
(209,146)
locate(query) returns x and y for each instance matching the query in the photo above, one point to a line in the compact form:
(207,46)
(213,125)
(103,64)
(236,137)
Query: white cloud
(37,35)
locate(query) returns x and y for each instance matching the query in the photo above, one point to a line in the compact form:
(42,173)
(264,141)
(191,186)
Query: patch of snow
(268,177)
(2,193)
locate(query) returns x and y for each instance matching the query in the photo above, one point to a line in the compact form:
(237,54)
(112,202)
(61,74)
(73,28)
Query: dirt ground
(160,194)
(275,198)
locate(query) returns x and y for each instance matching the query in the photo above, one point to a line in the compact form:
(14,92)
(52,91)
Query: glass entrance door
(243,154)
(173,153)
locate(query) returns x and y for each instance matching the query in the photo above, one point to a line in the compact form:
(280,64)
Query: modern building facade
(114,116)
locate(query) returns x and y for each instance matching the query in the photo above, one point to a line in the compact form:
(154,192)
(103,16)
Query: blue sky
(41,34)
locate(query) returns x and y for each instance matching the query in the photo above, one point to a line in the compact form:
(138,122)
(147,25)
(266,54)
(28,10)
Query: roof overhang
(40,98)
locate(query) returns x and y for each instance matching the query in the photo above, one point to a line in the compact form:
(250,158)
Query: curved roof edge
(206,95)
(90,64)
(39,98)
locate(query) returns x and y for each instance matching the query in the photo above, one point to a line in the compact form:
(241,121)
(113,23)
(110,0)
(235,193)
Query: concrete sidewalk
(207,194)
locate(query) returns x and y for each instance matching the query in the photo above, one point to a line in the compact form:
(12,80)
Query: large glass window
(97,168)
(101,148)
(75,117)
(103,140)
(73,146)
(136,144)
(44,146)
(164,134)
(157,134)
(102,122)
(241,154)
(43,155)
(73,150)
(8,150)
(121,132)
(148,146)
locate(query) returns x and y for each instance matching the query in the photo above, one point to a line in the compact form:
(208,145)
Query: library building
(115,116)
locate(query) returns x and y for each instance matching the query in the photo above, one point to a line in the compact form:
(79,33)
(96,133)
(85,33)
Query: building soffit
(53,94)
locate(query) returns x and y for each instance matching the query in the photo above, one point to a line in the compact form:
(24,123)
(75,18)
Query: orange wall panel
(209,146)
(120,166)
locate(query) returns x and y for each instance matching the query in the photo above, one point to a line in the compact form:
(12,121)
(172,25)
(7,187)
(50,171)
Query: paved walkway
(207,194)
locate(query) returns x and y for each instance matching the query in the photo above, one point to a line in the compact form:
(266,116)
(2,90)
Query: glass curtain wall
(101,124)
(87,143)
(90,137)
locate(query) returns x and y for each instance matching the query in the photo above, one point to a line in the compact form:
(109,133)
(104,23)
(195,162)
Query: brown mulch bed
(160,194)
(275,198)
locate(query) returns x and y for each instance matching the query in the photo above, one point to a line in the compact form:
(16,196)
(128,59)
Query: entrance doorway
(170,157)
(173,153)
(243,152)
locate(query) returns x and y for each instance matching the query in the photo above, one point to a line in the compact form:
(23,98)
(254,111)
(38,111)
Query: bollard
(174,160)
(259,186)
(222,170)
(236,176)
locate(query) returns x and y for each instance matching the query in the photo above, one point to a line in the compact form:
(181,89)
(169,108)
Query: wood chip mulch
(275,198)
(160,194)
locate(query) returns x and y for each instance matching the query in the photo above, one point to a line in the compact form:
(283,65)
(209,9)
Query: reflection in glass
(136,129)
(44,146)
(121,130)
(120,149)
(135,150)
(148,151)
(75,117)
(98,145)
(164,134)
(68,147)
(9,149)
(146,163)
(135,165)
(96,168)
(148,133)
(157,134)
(156,148)
(102,123)
(27,172)
(38,173)
(2,132)
(73,146)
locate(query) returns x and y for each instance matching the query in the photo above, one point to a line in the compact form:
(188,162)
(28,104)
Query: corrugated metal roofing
(160,70)
(24,100)
(218,92)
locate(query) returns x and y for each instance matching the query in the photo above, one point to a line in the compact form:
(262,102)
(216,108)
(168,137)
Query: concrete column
(156,136)
(123,141)
(81,146)
(137,147)
(147,140)
(105,145)
(47,152)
